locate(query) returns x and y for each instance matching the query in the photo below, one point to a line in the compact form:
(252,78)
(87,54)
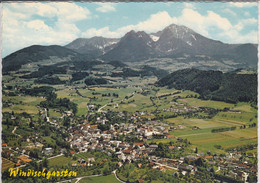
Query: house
(48,150)
(24,159)
(232,174)
(91,159)
(208,157)
(153,146)
(140,181)
(250,155)
(18,164)
(168,136)
(119,164)
(138,144)
(171,147)
(185,168)
(127,151)
(151,163)
(81,161)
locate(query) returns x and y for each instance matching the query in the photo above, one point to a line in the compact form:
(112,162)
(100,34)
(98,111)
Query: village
(131,142)
(88,137)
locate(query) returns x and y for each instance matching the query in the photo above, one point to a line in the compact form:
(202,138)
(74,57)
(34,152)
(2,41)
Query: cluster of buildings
(87,137)
(181,108)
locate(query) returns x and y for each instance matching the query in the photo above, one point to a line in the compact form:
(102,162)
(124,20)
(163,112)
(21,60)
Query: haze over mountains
(175,47)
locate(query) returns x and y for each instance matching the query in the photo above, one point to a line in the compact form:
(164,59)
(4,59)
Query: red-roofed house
(169,136)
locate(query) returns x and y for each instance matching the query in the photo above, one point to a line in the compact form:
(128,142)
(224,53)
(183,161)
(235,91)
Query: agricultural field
(205,103)
(6,164)
(60,161)
(205,140)
(21,104)
(68,161)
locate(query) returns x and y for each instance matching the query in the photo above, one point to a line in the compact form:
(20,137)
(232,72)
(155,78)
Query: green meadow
(108,179)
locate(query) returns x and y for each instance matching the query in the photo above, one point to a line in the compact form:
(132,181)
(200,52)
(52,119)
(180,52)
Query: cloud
(38,25)
(203,23)
(154,23)
(237,37)
(71,12)
(105,7)
(189,5)
(67,11)
(245,22)
(211,25)
(214,26)
(105,32)
(227,10)
(243,4)
(21,28)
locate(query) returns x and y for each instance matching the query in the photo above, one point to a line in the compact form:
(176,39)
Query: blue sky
(26,24)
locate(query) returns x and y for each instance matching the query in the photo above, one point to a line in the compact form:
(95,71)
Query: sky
(59,23)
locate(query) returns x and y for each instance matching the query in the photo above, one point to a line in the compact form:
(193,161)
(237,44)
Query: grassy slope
(108,179)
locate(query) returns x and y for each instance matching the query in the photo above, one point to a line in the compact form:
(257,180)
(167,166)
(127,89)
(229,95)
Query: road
(116,102)
(79,178)
(99,110)
(53,157)
(117,177)
(170,167)
(13,132)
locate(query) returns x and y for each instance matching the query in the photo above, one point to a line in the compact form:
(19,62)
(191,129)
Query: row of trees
(223,129)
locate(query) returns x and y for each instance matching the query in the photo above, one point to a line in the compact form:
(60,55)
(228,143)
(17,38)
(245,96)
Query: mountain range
(174,45)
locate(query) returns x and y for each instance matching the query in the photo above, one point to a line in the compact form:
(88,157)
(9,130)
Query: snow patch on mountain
(189,43)
(193,37)
(154,38)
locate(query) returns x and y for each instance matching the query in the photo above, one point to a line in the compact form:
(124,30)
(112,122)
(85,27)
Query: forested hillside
(229,87)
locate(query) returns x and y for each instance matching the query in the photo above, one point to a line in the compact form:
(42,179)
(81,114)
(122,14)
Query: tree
(66,122)
(106,171)
(196,150)
(45,163)
(199,162)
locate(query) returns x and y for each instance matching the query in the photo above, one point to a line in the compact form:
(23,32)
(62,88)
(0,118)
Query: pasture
(21,104)
(205,103)
(60,161)
(108,179)
(205,140)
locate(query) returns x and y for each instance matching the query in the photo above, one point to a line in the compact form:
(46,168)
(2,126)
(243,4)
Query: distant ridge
(94,46)
(177,43)
(34,53)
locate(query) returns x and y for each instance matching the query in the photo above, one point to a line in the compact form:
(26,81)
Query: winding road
(116,102)
(13,132)
(79,178)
